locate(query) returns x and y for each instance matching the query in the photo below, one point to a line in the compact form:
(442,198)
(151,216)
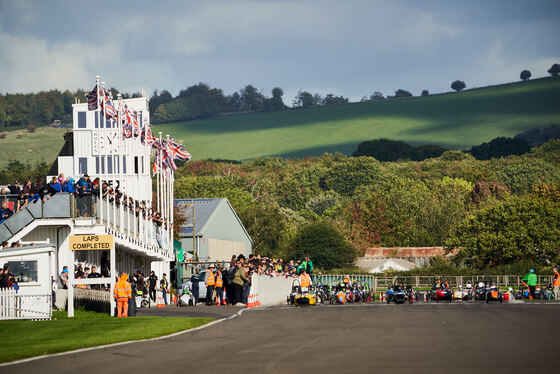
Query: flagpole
(98,172)
(120,156)
(160,159)
(146,175)
(105,166)
(168,187)
(113,166)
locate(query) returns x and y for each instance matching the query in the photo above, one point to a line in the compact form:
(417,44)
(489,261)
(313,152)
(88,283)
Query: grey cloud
(351,47)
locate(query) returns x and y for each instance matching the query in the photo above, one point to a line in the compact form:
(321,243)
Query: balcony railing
(133,226)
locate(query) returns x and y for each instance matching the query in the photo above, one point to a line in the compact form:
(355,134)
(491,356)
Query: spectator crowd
(17,197)
(231,284)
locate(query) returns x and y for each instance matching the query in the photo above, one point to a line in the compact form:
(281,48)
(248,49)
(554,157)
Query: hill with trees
(453,121)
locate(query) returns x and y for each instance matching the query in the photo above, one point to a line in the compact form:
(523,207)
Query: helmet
(531,271)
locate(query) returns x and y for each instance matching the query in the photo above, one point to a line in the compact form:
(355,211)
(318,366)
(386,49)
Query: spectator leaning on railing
(5,212)
(80,187)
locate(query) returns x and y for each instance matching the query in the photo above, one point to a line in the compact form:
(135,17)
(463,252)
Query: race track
(366,338)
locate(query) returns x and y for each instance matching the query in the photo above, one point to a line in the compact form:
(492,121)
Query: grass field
(86,329)
(41,145)
(454,120)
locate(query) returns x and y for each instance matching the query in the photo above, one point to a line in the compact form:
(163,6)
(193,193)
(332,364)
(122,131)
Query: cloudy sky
(349,48)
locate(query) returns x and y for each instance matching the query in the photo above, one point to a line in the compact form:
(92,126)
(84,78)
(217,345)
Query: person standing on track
(219,287)
(164,285)
(531,279)
(122,293)
(152,283)
(556,284)
(210,285)
(239,279)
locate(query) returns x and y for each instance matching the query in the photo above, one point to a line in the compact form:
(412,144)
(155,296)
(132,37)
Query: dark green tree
(304,99)
(277,102)
(327,247)
(458,85)
(425,93)
(500,147)
(554,70)
(251,98)
(525,74)
(266,226)
(402,93)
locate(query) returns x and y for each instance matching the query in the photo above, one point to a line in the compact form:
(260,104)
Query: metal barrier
(25,306)
(421,281)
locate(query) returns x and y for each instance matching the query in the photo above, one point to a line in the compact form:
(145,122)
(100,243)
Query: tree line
(194,102)
(395,150)
(41,109)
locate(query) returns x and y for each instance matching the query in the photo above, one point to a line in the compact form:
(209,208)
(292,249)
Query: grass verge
(86,329)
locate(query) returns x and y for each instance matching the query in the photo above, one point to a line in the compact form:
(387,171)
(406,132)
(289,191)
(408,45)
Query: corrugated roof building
(218,231)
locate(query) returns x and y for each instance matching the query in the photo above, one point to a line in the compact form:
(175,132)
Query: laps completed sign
(91,242)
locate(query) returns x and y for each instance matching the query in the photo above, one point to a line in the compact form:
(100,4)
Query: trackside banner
(266,290)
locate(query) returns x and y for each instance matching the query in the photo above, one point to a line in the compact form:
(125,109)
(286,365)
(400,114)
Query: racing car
(396,294)
(462,294)
(494,295)
(440,291)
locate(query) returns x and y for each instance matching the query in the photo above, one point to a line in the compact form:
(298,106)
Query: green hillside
(21,145)
(454,120)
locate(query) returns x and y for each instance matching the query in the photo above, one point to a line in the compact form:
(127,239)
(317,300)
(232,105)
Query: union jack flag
(92,99)
(110,111)
(107,106)
(127,131)
(147,137)
(178,151)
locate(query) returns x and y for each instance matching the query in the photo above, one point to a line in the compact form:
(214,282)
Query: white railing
(24,306)
(136,228)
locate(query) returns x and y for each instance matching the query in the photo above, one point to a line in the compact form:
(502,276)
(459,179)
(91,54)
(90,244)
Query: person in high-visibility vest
(219,287)
(556,284)
(304,280)
(80,275)
(210,284)
(122,293)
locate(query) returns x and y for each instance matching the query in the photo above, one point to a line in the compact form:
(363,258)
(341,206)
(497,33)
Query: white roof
(381,265)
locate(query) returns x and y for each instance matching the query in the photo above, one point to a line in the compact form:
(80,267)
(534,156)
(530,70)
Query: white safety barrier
(15,305)
(266,290)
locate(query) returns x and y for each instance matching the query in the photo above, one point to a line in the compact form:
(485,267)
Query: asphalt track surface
(366,338)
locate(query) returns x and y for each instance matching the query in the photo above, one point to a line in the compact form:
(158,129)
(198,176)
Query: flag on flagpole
(178,151)
(108,107)
(92,99)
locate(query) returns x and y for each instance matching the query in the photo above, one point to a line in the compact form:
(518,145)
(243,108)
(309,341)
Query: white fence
(25,306)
